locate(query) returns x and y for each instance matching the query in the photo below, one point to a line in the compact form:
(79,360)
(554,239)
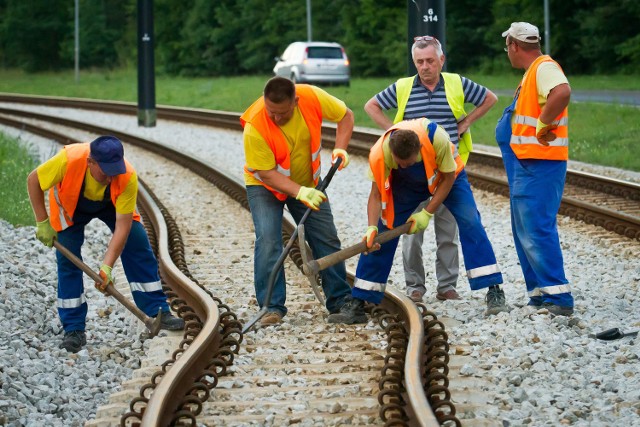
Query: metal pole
(77,41)
(547,31)
(425,18)
(309,29)
(146,77)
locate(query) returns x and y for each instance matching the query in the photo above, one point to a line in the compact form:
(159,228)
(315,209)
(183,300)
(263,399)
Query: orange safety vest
(523,142)
(378,167)
(64,196)
(311,111)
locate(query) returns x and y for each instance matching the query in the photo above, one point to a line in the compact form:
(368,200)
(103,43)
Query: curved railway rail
(413,386)
(609,203)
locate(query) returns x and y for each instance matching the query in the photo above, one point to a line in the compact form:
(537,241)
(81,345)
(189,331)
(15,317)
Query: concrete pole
(547,31)
(309,29)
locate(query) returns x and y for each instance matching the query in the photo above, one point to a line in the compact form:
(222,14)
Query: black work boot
(170,322)
(73,341)
(351,312)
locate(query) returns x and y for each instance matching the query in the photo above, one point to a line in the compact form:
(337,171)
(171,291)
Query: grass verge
(16,163)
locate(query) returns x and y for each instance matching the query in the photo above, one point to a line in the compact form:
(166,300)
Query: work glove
(419,221)
(45,232)
(107,278)
(370,235)
(544,134)
(339,152)
(311,197)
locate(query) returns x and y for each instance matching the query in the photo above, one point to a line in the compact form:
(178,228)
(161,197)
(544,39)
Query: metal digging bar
(274,273)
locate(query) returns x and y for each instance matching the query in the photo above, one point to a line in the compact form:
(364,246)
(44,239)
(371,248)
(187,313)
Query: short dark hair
(523,45)
(279,89)
(404,143)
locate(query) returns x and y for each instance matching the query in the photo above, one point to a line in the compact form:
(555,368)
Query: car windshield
(324,52)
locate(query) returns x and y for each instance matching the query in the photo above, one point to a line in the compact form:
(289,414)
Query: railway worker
(533,137)
(282,134)
(411,163)
(440,97)
(87,181)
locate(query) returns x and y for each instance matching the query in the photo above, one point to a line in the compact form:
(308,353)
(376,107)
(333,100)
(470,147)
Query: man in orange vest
(412,163)
(282,144)
(87,181)
(534,140)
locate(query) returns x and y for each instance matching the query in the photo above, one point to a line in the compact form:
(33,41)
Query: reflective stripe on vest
(64,196)
(523,141)
(455,98)
(311,111)
(378,166)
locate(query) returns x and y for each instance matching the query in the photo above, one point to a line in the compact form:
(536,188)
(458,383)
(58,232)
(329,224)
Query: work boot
(271,318)
(558,310)
(170,322)
(496,302)
(73,341)
(351,312)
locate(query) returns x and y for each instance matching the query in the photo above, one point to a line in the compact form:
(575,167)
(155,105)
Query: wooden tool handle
(346,253)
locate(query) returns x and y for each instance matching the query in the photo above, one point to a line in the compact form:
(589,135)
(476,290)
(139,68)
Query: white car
(314,62)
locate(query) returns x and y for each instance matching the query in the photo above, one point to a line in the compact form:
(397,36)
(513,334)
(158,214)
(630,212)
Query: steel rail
(166,397)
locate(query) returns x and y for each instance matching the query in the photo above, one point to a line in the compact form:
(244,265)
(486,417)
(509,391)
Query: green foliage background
(230,37)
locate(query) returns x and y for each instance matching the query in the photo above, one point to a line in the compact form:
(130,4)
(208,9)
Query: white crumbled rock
(541,370)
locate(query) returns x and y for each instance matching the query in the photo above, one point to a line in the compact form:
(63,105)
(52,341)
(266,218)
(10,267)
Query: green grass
(600,133)
(15,164)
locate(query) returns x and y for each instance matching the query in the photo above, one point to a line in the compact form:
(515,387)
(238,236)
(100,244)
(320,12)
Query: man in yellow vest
(87,181)
(282,144)
(440,97)
(413,163)
(534,140)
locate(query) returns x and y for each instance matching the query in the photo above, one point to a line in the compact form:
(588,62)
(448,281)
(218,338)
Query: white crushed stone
(545,371)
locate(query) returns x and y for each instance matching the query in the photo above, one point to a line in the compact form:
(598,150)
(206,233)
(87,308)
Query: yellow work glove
(311,197)
(45,232)
(107,278)
(544,134)
(420,221)
(339,152)
(370,235)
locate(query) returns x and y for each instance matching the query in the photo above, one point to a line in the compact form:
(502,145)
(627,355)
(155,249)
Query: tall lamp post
(146,77)
(309,30)
(76,48)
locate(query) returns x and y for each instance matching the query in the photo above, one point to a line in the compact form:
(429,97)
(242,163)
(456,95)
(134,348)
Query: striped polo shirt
(433,105)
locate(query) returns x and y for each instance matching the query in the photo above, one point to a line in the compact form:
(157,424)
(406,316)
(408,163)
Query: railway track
(363,375)
(609,203)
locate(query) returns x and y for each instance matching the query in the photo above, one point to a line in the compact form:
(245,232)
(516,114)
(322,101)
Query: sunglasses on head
(425,39)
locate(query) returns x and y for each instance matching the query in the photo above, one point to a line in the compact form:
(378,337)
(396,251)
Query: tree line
(231,37)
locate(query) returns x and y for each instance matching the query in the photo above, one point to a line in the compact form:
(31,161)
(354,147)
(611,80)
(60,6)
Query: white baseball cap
(523,31)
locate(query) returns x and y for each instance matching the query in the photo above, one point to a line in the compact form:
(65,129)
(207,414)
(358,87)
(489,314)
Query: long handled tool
(312,267)
(152,325)
(276,268)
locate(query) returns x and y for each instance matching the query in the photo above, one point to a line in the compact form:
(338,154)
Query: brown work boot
(450,294)
(271,318)
(416,296)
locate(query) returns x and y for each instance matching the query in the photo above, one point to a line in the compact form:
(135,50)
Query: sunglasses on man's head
(424,39)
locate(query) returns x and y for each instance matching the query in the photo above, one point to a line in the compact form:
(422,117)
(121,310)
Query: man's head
(280,99)
(522,43)
(106,158)
(428,58)
(405,147)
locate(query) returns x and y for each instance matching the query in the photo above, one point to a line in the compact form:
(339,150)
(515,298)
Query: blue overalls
(140,265)
(535,188)
(409,189)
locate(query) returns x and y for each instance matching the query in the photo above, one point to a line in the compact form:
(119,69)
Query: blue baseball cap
(108,152)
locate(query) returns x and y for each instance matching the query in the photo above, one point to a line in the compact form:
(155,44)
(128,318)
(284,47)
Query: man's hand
(45,232)
(339,152)
(369,236)
(107,278)
(544,134)
(311,197)
(419,221)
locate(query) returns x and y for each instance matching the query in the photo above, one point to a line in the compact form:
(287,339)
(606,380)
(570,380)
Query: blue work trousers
(321,234)
(139,263)
(479,259)
(535,188)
